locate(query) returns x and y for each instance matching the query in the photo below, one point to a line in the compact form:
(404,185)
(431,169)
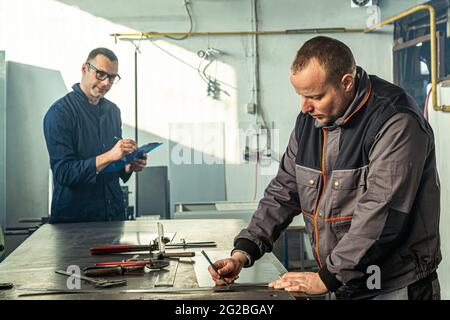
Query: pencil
(214,268)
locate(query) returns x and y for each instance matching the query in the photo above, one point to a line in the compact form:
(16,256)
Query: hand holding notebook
(138,153)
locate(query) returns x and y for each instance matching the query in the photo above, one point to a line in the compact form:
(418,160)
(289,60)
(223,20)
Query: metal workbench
(55,247)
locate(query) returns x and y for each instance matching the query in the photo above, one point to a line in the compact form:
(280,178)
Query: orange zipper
(324,130)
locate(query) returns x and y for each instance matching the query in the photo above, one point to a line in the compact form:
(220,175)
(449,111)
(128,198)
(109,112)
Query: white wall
(172,92)
(2,140)
(440,122)
(27,165)
(59,34)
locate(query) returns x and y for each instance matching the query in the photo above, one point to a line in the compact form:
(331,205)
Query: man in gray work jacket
(360,166)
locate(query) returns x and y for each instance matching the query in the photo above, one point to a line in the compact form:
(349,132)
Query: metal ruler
(230,288)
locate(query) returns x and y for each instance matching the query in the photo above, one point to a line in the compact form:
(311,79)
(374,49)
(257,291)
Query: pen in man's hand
(214,268)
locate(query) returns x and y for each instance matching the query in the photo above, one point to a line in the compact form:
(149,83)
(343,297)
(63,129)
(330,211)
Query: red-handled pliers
(151,264)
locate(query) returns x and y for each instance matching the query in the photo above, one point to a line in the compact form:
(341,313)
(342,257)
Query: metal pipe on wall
(373,28)
(236,33)
(136,129)
(432,46)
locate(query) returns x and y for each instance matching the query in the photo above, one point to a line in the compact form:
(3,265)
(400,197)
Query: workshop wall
(172,93)
(27,165)
(2,139)
(170,90)
(440,122)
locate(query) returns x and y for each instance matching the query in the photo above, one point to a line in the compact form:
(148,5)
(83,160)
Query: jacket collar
(364,89)
(81,95)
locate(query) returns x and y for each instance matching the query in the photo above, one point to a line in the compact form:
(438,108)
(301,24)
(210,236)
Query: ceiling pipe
(236,33)
(374,28)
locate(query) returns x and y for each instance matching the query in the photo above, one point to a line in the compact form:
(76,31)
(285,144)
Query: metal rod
(231,288)
(136,130)
(238,33)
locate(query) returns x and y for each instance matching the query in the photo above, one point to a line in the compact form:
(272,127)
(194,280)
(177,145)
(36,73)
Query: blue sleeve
(125,176)
(66,167)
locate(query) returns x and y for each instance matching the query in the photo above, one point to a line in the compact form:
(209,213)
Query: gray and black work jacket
(368,189)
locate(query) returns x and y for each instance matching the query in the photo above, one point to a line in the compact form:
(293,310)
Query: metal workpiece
(97,282)
(233,292)
(31,267)
(166,277)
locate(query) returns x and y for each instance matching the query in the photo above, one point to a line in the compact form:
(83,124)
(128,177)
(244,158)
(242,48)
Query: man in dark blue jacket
(83,133)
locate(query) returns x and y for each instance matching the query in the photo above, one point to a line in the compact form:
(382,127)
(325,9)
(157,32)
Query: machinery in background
(129,210)
(411,51)
(208,56)
(12,237)
(2,243)
(27,231)
(153,193)
(362,3)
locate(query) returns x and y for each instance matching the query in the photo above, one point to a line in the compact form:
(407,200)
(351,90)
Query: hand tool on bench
(135,248)
(165,277)
(148,263)
(183,244)
(161,247)
(114,270)
(162,255)
(97,282)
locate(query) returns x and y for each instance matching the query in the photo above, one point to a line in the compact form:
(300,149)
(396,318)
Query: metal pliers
(148,263)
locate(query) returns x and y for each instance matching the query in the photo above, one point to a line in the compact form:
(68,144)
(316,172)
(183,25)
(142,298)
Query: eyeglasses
(102,75)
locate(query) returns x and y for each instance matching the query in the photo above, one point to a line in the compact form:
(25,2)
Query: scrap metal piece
(161,242)
(166,277)
(6,286)
(26,292)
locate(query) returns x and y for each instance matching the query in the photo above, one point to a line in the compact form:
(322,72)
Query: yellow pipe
(235,33)
(432,46)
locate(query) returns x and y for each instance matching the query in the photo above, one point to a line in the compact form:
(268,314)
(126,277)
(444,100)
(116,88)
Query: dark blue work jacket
(76,132)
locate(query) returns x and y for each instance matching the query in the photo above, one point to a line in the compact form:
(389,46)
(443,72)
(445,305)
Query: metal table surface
(55,247)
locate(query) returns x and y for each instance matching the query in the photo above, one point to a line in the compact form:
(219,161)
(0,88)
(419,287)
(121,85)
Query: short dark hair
(103,51)
(333,55)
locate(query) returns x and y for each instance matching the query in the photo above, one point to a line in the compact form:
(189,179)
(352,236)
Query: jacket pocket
(347,186)
(340,227)
(308,182)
